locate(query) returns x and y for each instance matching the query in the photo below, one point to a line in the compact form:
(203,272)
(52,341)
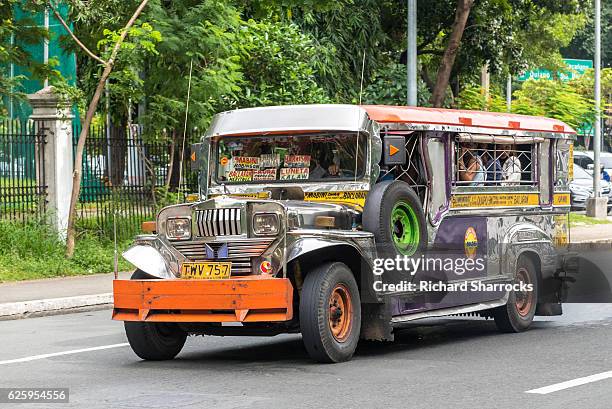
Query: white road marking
(74,351)
(570,384)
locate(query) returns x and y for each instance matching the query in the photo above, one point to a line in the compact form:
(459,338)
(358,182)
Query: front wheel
(517,315)
(330,313)
(154,341)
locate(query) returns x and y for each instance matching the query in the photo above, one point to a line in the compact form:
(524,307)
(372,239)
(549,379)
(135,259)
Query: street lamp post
(411,53)
(596,205)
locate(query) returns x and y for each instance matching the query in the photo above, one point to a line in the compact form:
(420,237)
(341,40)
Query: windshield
(580,173)
(283,158)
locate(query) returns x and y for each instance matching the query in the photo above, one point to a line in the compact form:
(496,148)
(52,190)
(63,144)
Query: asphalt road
(461,364)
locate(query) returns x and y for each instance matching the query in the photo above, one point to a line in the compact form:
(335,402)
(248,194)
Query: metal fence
(127,175)
(23,189)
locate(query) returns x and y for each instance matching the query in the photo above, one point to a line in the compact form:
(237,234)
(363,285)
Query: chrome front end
(221,231)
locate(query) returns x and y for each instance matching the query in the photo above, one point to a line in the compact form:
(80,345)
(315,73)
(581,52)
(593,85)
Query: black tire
(511,318)
(377,215)
(316,308)
(154,341)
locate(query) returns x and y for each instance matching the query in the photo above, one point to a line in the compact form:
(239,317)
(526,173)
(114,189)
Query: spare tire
(394,214)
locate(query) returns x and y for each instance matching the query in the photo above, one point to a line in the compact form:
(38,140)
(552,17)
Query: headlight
(265,224)
(178,228)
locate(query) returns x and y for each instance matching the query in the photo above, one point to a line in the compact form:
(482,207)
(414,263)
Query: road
(461,364)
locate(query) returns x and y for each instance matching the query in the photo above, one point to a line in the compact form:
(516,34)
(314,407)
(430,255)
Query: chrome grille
(239,252)
(218,222)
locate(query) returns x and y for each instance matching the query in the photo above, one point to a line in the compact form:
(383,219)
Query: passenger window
(483,160)
(564,163)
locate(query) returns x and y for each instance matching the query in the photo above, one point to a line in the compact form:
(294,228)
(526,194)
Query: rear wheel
(517,315)
(151,340)
(330,313)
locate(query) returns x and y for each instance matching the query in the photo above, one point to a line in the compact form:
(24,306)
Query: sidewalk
(596,233)
(22,299)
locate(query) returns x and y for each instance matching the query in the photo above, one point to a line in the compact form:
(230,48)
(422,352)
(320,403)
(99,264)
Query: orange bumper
(245,299)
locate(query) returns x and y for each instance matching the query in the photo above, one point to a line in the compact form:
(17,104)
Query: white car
(581,188)
(584,159)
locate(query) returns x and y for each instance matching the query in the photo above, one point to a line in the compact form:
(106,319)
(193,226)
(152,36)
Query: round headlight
(266,224)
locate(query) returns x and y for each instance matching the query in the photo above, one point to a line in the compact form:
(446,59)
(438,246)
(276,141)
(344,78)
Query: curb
(55,306)
(593,242)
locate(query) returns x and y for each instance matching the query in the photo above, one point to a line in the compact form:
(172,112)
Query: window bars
(413,171)
(481,160)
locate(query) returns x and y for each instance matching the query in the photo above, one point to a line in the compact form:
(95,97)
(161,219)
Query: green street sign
(576,68)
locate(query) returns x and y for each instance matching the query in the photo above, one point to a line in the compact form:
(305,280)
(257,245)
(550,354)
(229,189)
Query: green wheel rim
(404,229)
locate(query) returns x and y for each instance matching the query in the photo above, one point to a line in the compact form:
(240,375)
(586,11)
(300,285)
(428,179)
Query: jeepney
(299,207)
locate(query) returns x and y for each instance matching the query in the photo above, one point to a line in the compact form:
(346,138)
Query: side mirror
(394,150)
(197,159)
(590,166)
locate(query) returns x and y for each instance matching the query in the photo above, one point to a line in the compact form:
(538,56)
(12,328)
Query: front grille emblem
(216,250)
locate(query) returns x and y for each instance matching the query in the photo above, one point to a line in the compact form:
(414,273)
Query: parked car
(584,159)
(581,188)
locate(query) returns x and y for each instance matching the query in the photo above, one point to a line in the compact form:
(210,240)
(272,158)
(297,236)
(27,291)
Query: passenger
(471,168)
(490,157)
(511,167)
(317,171)
(325,163)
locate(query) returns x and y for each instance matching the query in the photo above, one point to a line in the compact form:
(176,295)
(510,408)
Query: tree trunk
(91,110)
(119,148)
(448,59)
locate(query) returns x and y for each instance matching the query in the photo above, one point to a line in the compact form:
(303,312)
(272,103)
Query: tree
(279,66)
(15,35)
(108,65)
(583,43)
(554,99)
(448,58)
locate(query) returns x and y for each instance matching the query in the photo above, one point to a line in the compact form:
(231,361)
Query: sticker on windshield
(265,174)
(297,161)
(293,173)
(240,175)
(246,162)
(269,161)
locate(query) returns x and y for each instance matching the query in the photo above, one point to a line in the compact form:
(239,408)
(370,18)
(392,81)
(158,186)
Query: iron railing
(23,188)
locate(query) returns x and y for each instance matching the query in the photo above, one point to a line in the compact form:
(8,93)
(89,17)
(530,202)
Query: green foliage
(15,36)
(387,86)
(205,34)
(554,99)
(345,33)
(32,250)
(474,97)
(279,66)
(583,43)
(585,86)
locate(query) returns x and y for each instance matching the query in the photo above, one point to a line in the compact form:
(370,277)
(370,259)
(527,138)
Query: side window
(413,171)
(485,160)
(564,163)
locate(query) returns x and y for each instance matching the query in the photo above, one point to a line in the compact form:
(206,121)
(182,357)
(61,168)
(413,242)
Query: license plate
(205,271)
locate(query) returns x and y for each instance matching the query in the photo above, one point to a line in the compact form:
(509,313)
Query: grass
(583,220)
(32,251)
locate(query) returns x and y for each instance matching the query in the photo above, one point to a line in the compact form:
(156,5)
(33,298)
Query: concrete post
(53,117)
(411,53)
